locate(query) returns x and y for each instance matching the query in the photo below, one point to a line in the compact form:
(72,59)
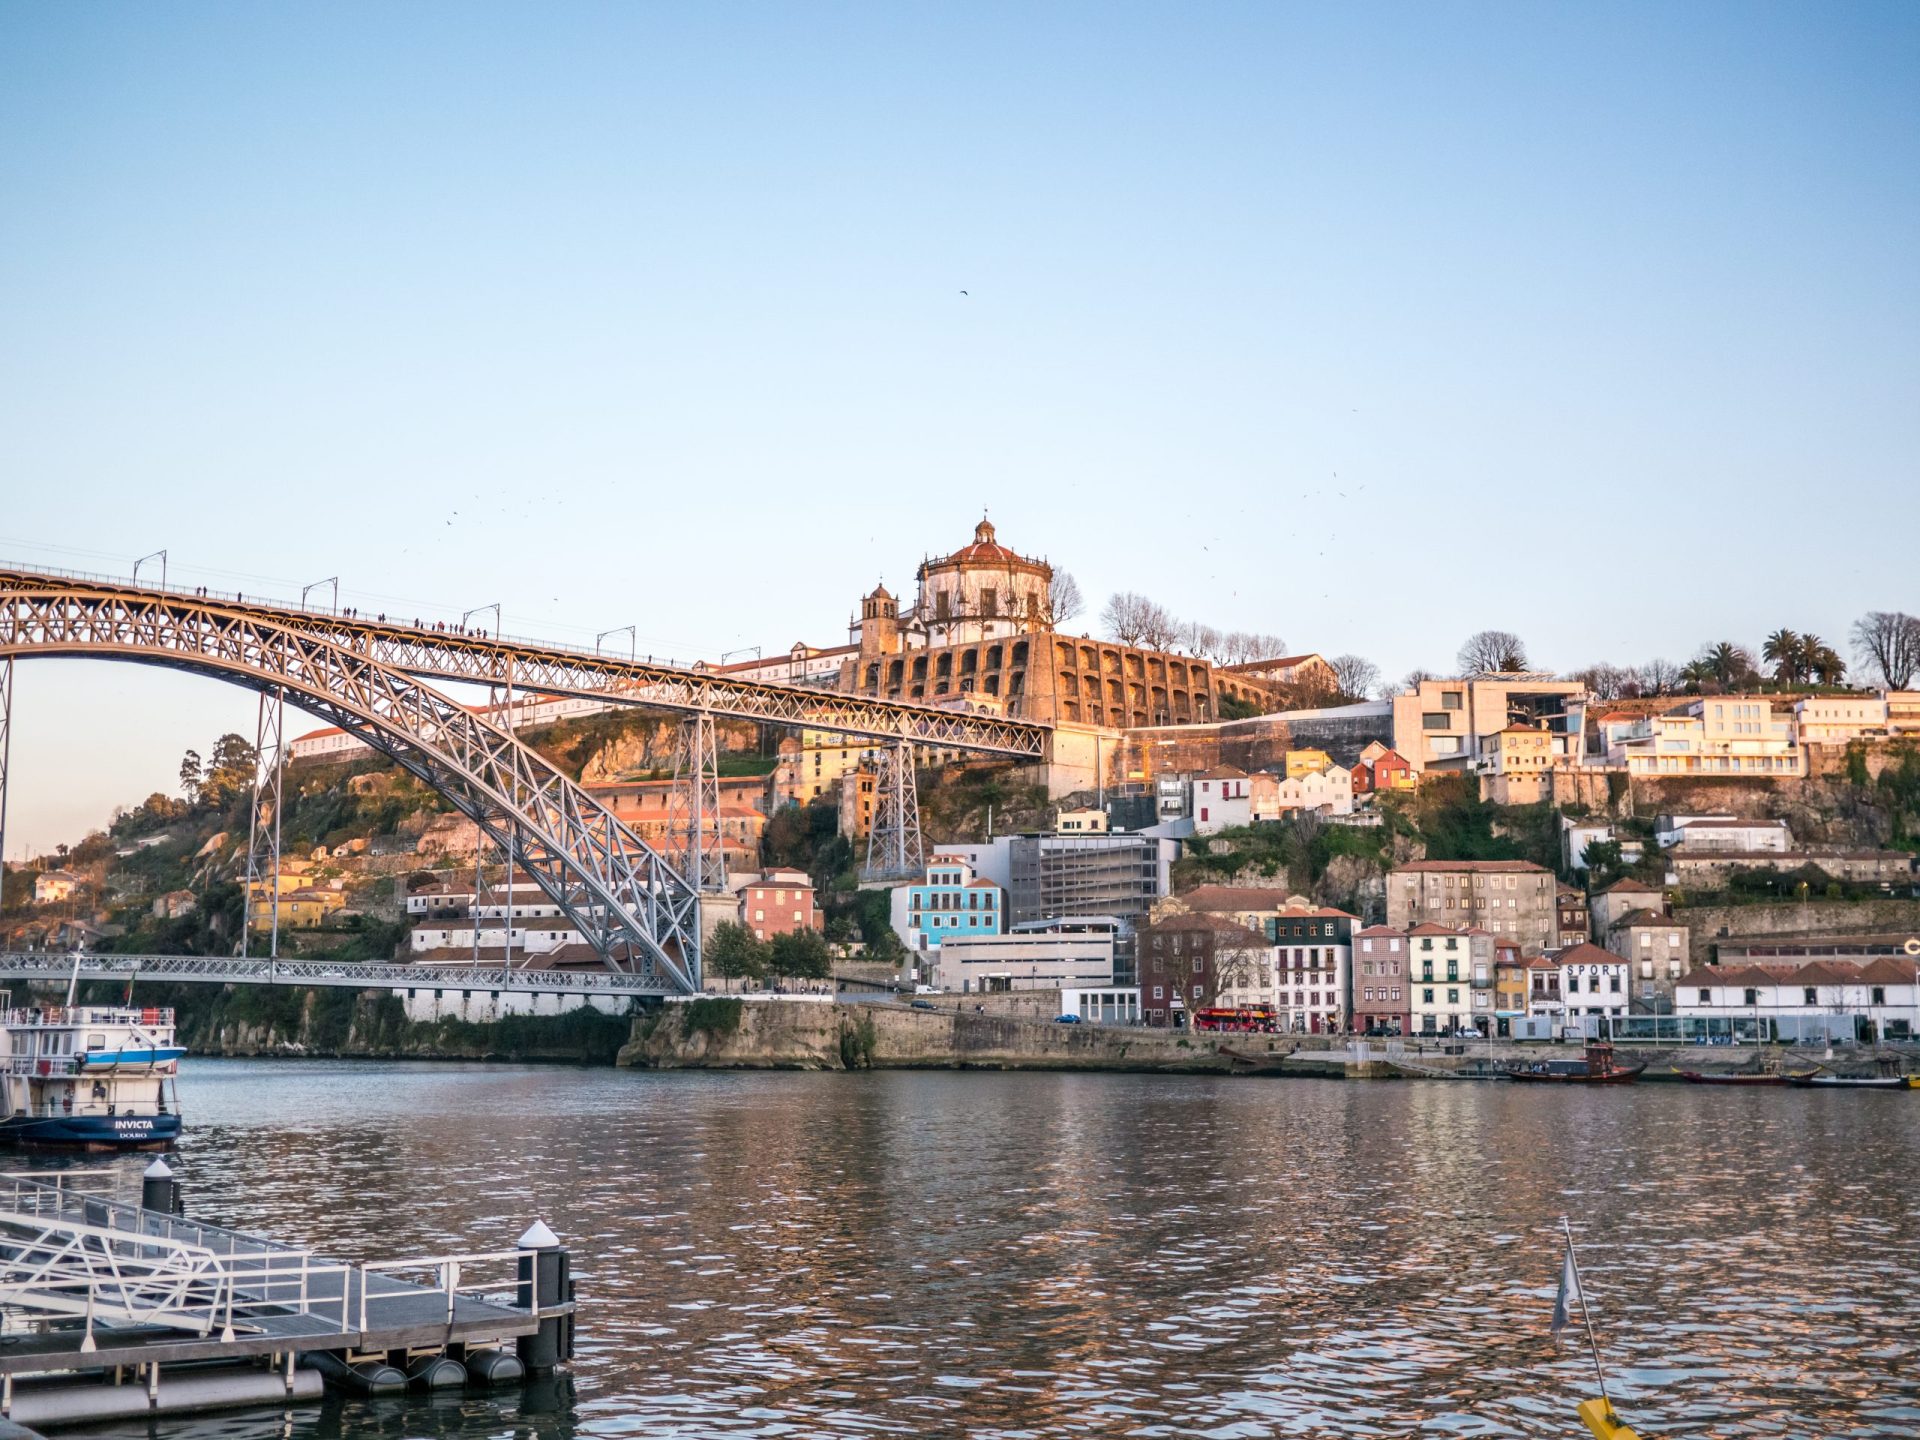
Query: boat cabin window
(96,1042)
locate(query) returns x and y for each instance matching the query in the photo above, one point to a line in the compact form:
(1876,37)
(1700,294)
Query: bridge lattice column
(895,850)
(263,825)
(693,806)
(6,751)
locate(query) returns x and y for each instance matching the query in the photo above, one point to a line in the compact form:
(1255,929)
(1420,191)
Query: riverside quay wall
(731,1034)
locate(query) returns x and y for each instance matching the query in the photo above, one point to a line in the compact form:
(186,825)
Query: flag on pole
(1569,1293)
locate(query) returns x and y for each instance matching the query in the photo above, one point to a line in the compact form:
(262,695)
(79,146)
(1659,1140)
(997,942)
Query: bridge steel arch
(637,911)
(531,667)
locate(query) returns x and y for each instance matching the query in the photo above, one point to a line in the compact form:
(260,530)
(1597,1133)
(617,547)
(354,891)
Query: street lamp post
(633,640)
(481,610)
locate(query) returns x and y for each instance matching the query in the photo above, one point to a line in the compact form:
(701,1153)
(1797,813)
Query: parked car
(923,1005)
(1066,1019)
(1469,1032)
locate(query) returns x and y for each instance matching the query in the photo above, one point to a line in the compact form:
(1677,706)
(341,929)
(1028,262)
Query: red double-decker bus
(1254,1019)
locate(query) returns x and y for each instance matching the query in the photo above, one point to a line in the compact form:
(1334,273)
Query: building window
(1809,996)
(1750,996)
(1879,995)
(1426,997)
(1706,997)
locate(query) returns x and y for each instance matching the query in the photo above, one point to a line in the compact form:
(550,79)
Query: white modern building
(1102,1005)
(1837,719)
(1822,998)
(1715,735)
(1222,800)
(1048,955)
(1723,832)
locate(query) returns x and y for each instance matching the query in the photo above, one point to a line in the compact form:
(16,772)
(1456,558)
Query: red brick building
(779,903)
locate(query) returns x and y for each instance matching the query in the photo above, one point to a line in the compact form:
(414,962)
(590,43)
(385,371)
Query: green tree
(801,955)
(229,772)
(190,776)
(733,952)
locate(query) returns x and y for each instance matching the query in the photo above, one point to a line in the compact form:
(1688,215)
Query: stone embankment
(729,1034)
(732,1034)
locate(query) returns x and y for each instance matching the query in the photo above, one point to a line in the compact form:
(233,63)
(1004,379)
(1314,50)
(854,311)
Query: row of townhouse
(1306,781)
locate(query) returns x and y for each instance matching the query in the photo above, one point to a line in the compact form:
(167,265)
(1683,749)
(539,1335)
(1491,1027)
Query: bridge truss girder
(638,913)
(554,670)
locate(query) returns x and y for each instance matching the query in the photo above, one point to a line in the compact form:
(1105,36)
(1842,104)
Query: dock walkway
(90,1283)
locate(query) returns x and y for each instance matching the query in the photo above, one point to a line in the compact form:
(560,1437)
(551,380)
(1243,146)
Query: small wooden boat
(1850,1082)
(1707,1077)
(1599,1068)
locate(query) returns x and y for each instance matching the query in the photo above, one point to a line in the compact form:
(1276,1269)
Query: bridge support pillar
(895,850)
(6,751)
(263,828)
(693,807)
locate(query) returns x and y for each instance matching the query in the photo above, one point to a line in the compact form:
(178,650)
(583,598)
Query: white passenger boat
(94,1077)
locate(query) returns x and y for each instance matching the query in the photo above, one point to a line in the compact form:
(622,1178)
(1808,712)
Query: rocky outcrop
(645,747)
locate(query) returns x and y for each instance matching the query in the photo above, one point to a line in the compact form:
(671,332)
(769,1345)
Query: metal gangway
(91,1283)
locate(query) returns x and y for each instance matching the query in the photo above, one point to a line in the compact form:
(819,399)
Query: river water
(1037,1255)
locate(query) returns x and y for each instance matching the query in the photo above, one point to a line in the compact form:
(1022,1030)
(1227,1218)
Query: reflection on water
(1068,1255)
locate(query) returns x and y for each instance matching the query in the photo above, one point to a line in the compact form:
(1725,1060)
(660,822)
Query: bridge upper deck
(550,668)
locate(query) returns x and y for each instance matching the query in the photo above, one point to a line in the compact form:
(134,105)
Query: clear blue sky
(1368,326)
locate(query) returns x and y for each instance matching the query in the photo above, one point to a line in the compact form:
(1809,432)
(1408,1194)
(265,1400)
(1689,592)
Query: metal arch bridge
(56,966)
(559,670)
(638,912)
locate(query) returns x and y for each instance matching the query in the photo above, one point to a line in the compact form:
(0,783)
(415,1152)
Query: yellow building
(300,909)
(1514,765)
(1307,762)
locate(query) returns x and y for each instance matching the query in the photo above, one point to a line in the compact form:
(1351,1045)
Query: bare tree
(1659,677)
(1159,630)
(1125,616)
(1888,644)
(1199,639)
(1492,651)
(1064,600)
(1413,680)
(1354,675)
(1604,681)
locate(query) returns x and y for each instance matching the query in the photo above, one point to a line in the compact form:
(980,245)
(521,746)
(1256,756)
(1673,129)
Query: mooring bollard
(543,1284)
(157,1188)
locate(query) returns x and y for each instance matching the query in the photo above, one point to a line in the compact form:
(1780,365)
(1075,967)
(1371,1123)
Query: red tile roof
(1881,970)
(1585,954)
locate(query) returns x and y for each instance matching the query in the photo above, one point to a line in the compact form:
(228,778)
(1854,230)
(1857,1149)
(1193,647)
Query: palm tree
(1823,662)
(1697,672)
(1787,653)
(1728,662)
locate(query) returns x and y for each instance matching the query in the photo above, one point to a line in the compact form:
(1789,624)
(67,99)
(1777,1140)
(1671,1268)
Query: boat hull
(1611,1077)
(92,1132)
(1850,1082)
(1696,1077)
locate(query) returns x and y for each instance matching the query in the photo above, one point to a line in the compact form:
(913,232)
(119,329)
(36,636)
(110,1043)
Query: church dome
(986,552)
